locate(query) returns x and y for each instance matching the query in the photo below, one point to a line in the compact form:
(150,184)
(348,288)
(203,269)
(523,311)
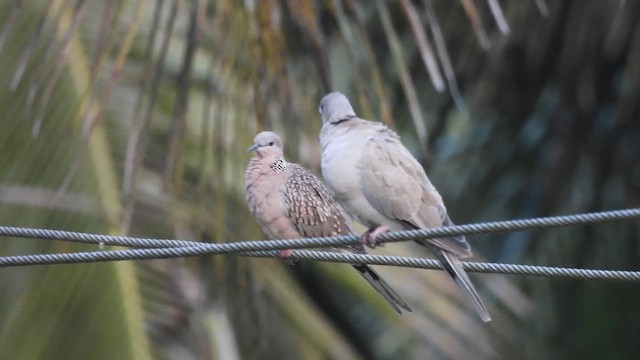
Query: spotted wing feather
(310,206)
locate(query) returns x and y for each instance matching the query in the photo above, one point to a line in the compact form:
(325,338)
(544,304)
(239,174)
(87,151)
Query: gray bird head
(267,143)
(335,108)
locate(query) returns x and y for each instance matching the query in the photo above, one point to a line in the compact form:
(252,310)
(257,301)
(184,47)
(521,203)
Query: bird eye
(271,143)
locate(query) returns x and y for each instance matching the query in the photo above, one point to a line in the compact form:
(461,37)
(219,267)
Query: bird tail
(453,266)
(383,288)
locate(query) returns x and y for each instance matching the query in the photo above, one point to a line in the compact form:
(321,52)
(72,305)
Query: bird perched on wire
(291,203)
(380,184)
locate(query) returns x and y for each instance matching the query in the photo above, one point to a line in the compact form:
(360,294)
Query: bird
(381,185)
(289,202)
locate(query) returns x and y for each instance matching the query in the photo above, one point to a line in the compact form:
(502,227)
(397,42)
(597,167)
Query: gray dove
(380,184)
(291,203)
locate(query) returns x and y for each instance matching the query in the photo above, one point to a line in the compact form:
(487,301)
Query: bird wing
(313,212)
(395,184)
(310,206)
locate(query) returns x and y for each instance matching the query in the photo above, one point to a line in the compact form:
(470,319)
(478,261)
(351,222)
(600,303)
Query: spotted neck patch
(279,164)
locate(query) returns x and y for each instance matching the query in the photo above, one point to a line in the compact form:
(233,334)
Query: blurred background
(134,117)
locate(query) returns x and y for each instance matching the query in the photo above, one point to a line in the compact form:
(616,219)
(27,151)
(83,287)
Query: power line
(329,256)
(169,248)
(481,267)
(334,241)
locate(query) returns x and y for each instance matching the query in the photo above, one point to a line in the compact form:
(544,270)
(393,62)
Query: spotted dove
(291,203)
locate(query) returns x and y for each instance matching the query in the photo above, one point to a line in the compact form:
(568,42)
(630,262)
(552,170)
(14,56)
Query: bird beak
(253,147)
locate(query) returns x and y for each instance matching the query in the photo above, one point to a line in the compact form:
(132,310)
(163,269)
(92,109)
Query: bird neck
(343,119)
(279,164)
(330,132)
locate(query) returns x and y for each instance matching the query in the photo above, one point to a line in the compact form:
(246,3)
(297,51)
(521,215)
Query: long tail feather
(453,266)
(383,288)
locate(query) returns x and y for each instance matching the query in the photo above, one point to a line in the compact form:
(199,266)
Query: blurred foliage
(133,117)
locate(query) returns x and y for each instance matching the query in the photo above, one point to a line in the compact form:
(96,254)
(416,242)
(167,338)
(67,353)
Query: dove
(380,184)
(289,202)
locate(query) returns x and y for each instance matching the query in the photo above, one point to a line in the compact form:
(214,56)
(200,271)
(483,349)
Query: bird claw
(286,255)
(370,237)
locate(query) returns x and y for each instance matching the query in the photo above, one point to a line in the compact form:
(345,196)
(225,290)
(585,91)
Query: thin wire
(166,248)
(386,260)
(333,241)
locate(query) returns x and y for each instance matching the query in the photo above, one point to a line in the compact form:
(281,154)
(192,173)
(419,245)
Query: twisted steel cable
(168,248)
(173,252)
(334,241)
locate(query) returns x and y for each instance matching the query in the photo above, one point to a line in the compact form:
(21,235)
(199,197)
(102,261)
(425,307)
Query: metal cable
(173,252)
(334,241)
(488,268)
(168,248)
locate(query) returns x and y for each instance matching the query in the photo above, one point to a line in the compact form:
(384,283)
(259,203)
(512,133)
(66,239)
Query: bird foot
(370,237)
(286,255)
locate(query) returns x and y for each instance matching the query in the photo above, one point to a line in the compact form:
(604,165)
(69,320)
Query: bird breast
(342,150)
(340,157)
(264,199)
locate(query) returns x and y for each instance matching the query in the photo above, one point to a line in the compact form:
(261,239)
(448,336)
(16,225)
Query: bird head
(267,143)
(335,109)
